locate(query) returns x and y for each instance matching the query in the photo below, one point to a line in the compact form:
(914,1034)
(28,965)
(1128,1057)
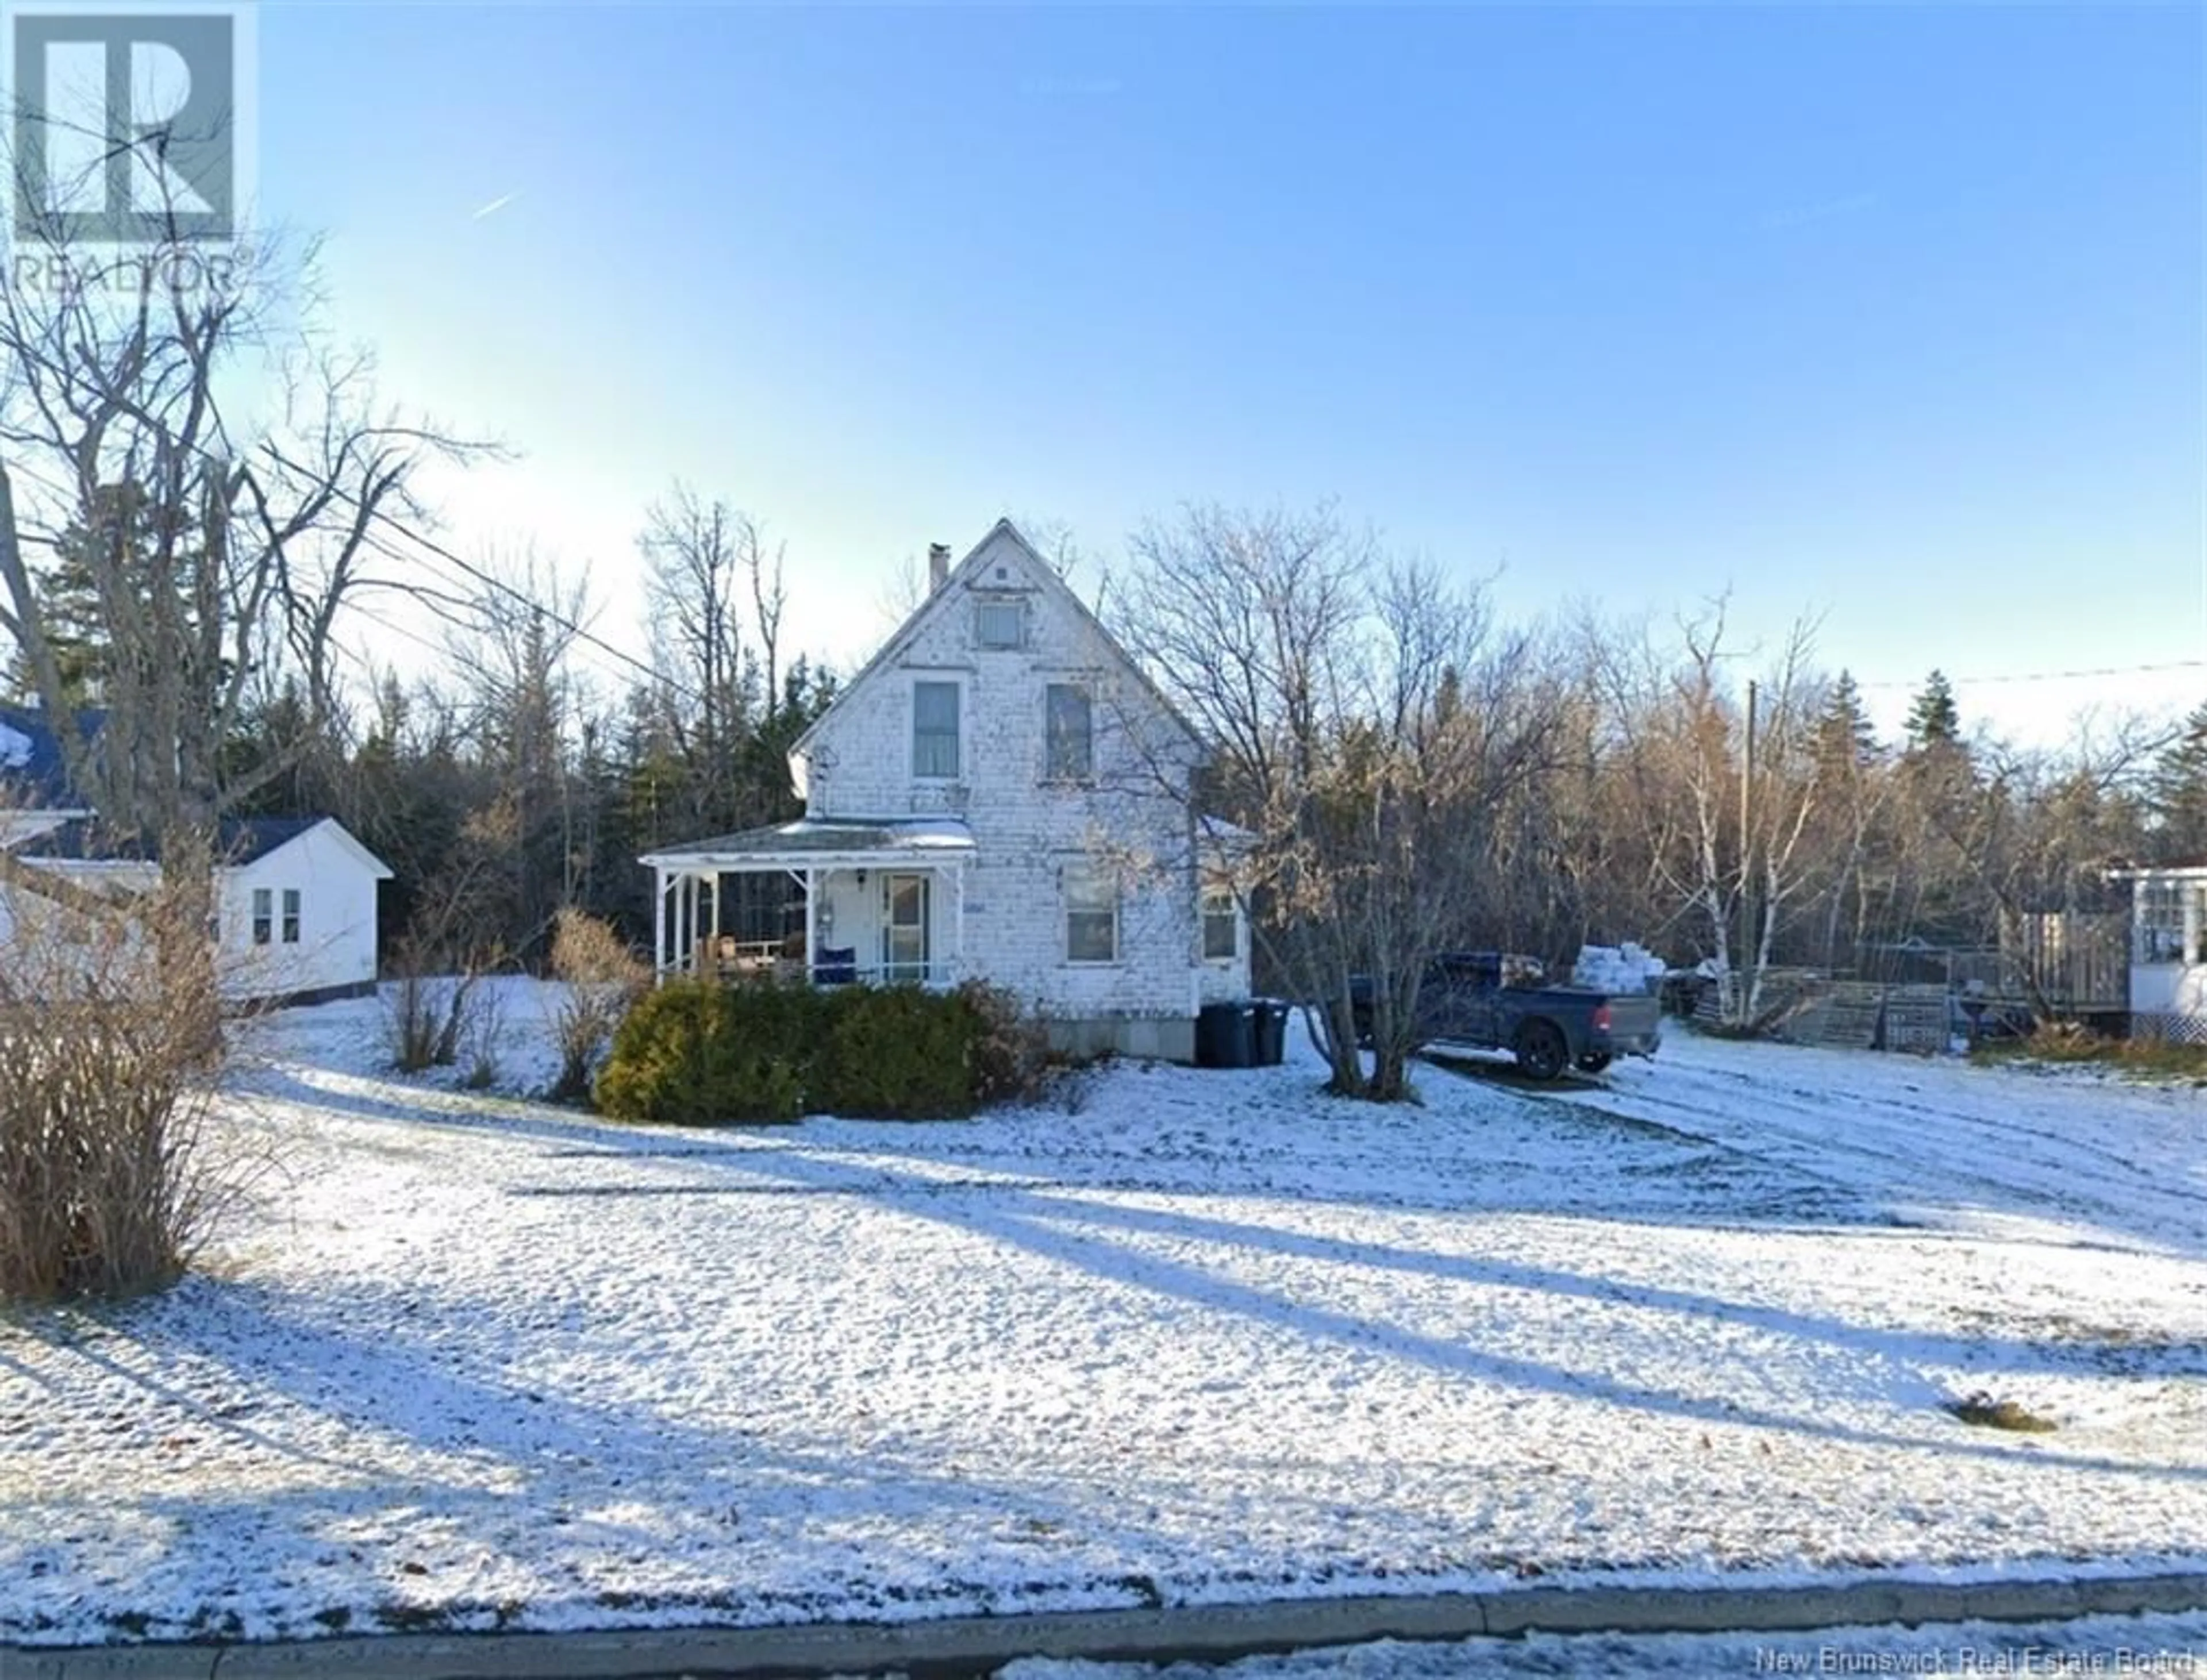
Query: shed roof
(238,840)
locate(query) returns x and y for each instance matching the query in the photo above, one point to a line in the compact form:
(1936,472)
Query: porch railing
(733,961)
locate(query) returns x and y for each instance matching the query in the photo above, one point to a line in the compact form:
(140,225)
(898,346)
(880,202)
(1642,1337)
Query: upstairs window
(935,730)
(290,915)
(264,916)
(1221,938)
(999,624)
(1068,737)
(1091,917)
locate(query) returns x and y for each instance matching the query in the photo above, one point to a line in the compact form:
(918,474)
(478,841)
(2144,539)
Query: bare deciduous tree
(1365,722)
(512,646)
(716,601)
(1729,848)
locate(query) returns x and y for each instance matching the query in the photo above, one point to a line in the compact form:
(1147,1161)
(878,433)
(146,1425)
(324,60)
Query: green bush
(696,1054)
(898,1053)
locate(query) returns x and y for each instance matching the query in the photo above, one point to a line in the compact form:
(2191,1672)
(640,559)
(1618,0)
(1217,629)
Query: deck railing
(734,961)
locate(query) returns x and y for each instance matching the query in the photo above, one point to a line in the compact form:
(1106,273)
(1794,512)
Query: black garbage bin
(1225,1035)
(1271,1031)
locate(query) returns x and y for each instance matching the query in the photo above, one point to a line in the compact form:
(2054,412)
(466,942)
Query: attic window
(999,624)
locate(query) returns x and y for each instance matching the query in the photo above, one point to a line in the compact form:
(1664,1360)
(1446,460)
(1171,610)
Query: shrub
(604,980)
(694,1054)
(111,1034)
(437,1007)
(1012,1061)
(899,1053)
(431,1017)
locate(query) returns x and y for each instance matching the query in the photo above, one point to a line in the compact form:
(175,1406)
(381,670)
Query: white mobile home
(2168,952)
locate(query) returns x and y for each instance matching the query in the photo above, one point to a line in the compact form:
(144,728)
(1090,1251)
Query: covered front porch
(817,901)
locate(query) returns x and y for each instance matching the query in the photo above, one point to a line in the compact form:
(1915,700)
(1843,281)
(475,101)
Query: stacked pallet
(1845,1017)
(1917,1020)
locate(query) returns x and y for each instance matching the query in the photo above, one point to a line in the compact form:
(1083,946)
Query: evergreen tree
(1845,739)
(111,539)
(1934,719)
(2176,793)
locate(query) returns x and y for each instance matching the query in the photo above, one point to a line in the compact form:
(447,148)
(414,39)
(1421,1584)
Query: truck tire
(1540,1050)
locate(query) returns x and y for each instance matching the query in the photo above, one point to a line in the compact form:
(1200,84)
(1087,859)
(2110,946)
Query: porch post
(957,922)
(658,922)
(811,909)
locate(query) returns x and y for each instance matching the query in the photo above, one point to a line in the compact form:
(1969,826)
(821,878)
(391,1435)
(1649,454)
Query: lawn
(474,1361)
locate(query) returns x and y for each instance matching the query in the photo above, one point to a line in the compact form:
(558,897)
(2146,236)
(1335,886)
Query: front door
(904,927)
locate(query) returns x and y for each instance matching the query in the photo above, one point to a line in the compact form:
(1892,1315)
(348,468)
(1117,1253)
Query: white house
(295,896)
(2168,952)
(999,794)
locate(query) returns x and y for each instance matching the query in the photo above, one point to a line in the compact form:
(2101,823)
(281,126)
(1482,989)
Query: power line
(375,539)
(2050,676)
(581,632)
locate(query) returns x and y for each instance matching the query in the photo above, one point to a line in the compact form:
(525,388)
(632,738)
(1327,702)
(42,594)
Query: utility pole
(1748,948)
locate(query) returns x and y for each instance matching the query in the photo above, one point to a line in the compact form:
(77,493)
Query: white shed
(294,900)
(295,910)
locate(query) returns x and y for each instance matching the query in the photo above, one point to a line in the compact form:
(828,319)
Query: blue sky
(1889,313)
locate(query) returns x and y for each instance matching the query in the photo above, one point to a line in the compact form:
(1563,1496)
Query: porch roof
(815,842)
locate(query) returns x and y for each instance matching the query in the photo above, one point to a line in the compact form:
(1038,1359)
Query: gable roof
(33,769)
(239,841)
(938,599)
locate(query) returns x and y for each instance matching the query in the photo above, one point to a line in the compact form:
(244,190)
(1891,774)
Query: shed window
(1069,733)
(1091,917)
(935,730)
(264,915)
(999,624)
(290,915)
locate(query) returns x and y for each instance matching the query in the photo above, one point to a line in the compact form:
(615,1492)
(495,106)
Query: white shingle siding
(1028,831)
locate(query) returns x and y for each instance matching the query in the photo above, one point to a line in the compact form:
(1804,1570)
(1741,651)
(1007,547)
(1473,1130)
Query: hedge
(696,1054)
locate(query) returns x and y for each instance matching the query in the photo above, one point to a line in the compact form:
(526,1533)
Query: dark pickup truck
(1464,1000)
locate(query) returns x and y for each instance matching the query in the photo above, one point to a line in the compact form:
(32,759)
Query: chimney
(938,565)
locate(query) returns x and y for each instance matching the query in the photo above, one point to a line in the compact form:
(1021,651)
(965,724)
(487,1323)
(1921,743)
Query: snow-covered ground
(2140,1645)
(1185,1337)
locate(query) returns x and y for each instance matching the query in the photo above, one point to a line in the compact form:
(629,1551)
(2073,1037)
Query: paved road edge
(974,1645)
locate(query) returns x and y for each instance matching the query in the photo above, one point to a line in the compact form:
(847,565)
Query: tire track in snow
(1909,1148)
